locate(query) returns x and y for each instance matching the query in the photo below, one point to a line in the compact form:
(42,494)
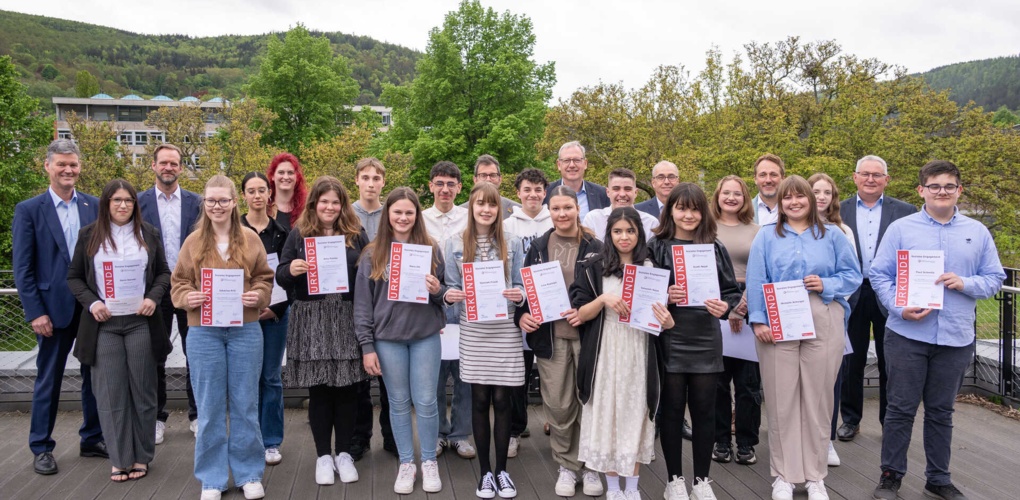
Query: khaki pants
(798,377)
(559,396)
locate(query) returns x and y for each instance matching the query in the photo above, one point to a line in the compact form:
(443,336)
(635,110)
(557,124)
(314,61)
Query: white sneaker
(631,495)
(464,449)
(616,495)
(273,456)
(194,427)
(702,490)
(211,495)
(515,443)
(254,490)
(833,457)
(782,490)
(324,470)
(592,484)
(430,481)
(506,486)
(404,485)
(160,430)
(676,489)
(345,467)
(816,490)
(440,446)
(566,483)
(486,487)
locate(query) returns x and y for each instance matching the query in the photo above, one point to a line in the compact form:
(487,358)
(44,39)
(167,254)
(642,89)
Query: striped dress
(491,351)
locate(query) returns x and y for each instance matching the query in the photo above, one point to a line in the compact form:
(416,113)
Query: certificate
(484,283)
(327,265)
(696,273)
(789,311)
(124,286)
(409,265)
(279,294)
(916,272)
(642,287)
(546,292)
(739,344)
(222,289)
(449,342)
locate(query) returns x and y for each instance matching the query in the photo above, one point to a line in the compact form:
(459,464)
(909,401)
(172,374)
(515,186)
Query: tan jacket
(258,276)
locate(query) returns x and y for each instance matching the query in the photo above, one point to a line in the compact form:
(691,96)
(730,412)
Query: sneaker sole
(593,492)
(485,494)
(751,461)
(722,460)
(406,491)
(565,493)
(511,494)
(349,479)
(929,494)
(428,489)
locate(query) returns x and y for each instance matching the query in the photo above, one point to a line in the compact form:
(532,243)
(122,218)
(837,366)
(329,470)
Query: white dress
(616,432)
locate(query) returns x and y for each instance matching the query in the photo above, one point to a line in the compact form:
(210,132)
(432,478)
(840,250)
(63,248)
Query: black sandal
(119,476)
(135,470)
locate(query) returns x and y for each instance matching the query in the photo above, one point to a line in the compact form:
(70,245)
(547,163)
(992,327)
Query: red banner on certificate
(902,277)
(629,276)
(110,289)
(680,272)
(396,257)
(470,297)
(207,306)
(789,311)
(531,292)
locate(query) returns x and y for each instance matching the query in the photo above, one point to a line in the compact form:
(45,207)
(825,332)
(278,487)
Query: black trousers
(363,425)
(866,318)
(519,398)
(747,396)
(168,311)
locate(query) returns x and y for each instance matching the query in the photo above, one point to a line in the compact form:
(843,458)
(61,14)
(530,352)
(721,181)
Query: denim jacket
(454,255)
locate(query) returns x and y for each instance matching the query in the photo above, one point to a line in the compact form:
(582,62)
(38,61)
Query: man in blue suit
(572,163)
(45,232)
(173,211)
(665,177)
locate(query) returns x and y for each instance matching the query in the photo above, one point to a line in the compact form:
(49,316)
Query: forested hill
(49,52)
(990,83)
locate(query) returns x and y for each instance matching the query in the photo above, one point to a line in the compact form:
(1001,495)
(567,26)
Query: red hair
(297,203)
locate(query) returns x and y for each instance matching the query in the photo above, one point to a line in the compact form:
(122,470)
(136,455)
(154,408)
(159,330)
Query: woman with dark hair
(121,347)
(618,370)
(226,361)
(272,319)
(692,350)
(798,375)
(400,340)
(322,349)
(287,191)
(557,344)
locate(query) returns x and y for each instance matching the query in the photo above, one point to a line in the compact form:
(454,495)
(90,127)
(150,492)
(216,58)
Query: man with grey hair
(868,214)
(665,177)
(571,162)
(45,231)
(487,170)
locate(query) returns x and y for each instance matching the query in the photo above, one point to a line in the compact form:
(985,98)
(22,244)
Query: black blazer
(650,207)
(597,197)
(81,279)
(190,210)
(892,209)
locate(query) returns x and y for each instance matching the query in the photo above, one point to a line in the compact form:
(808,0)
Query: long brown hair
(746,213)
(347,222)
(564,190)
(687,195)
(487,193)
(831,214)
(797,184)
(101,233)
(379,249)
(207,254)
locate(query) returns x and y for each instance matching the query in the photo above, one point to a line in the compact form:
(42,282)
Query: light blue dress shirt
(70,224)
(869,220)
(969,252)
(794,256)
(582,201)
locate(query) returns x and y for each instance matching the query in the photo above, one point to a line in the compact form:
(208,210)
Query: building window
(130,114)
(127,138)
(103,113)
(141,138)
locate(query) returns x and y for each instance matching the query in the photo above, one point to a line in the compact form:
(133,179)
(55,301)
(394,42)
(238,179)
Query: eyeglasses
(872,176)
(225,202)
(127,202)
(488,177)
(663,177)
(948,188)
(441,184)
(568,161)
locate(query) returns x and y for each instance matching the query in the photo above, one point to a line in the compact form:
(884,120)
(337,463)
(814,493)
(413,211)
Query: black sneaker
(358,449)
(486,486)
(505,486)
(746,456)
(888,486)
(389,444)
(944,492)
(722,453)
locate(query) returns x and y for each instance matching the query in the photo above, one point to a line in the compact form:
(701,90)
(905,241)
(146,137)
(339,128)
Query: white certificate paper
(279,294)
(546,292)
(449,341)
(124,286)
(739,344)
(789,311)
(223,289)
(484,283)
(327,265)
(642,287)
(916,272)
(409,265)
(696,273)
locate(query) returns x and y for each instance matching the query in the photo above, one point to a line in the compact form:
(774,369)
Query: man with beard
(769,171)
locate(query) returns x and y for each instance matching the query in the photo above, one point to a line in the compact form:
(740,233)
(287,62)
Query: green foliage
(49,72)
(990,83)
(102,157)
(85,85)
(1005,118)
(306,86)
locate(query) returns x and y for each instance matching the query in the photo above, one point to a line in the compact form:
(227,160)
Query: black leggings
(332,410)
(497,396)
(698,391)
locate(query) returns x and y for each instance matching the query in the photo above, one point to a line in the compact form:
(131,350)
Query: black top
(273,238)
(297,286)
(283,218)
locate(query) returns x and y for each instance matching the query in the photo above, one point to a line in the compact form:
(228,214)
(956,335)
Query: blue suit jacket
(650,207)
(892,209)
(597,197)
(41,257)
(190,206)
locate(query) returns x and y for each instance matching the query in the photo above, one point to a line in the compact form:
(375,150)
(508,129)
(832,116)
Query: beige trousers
(798,377)
(559,396)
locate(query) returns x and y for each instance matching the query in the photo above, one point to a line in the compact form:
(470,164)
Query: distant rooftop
(102,96)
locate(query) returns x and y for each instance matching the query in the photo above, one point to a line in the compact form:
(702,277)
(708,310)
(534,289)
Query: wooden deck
(986,465)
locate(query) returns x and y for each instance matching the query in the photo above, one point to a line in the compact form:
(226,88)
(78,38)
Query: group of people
(607,387)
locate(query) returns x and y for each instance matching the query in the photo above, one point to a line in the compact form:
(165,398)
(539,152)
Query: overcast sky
(600,40)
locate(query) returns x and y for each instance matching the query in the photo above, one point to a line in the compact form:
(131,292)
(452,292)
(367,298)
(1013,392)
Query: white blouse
(128,248)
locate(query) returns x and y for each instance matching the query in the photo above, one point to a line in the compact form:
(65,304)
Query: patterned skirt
(321,346)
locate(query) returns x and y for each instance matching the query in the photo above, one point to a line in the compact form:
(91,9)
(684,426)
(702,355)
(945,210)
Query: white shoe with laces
(211,495)
(566,483)
(833,459)
(430,481)
(404,485)
(345,468)
(515,444)
(631,495)
(816,490)
(464,449)
(273,456)
(505,485)
(782,490)
(193,426)
(676,489)
(486,486)
(702,490)
(160,430)
(254,490)
(324,470)
(591,484)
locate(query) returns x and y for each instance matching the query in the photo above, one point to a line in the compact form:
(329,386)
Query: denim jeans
(410,370)
(225,368)
(458,426)
(274,336)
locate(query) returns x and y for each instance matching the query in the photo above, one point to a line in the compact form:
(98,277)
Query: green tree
(306,85)
(85,85)
(103,158)
(1005,118)
(49,72)
(236,148)
(478,91)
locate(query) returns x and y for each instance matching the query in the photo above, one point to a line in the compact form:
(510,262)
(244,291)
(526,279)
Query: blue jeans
(458,426)
(410,370)
(274,336)
(225,368)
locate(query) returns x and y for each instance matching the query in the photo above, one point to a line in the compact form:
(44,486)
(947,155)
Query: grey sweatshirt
(369,220)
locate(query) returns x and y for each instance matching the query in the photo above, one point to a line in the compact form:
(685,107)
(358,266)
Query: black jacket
(540,340)
(586,288)
(273,237)
(81,279)
(297,286)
